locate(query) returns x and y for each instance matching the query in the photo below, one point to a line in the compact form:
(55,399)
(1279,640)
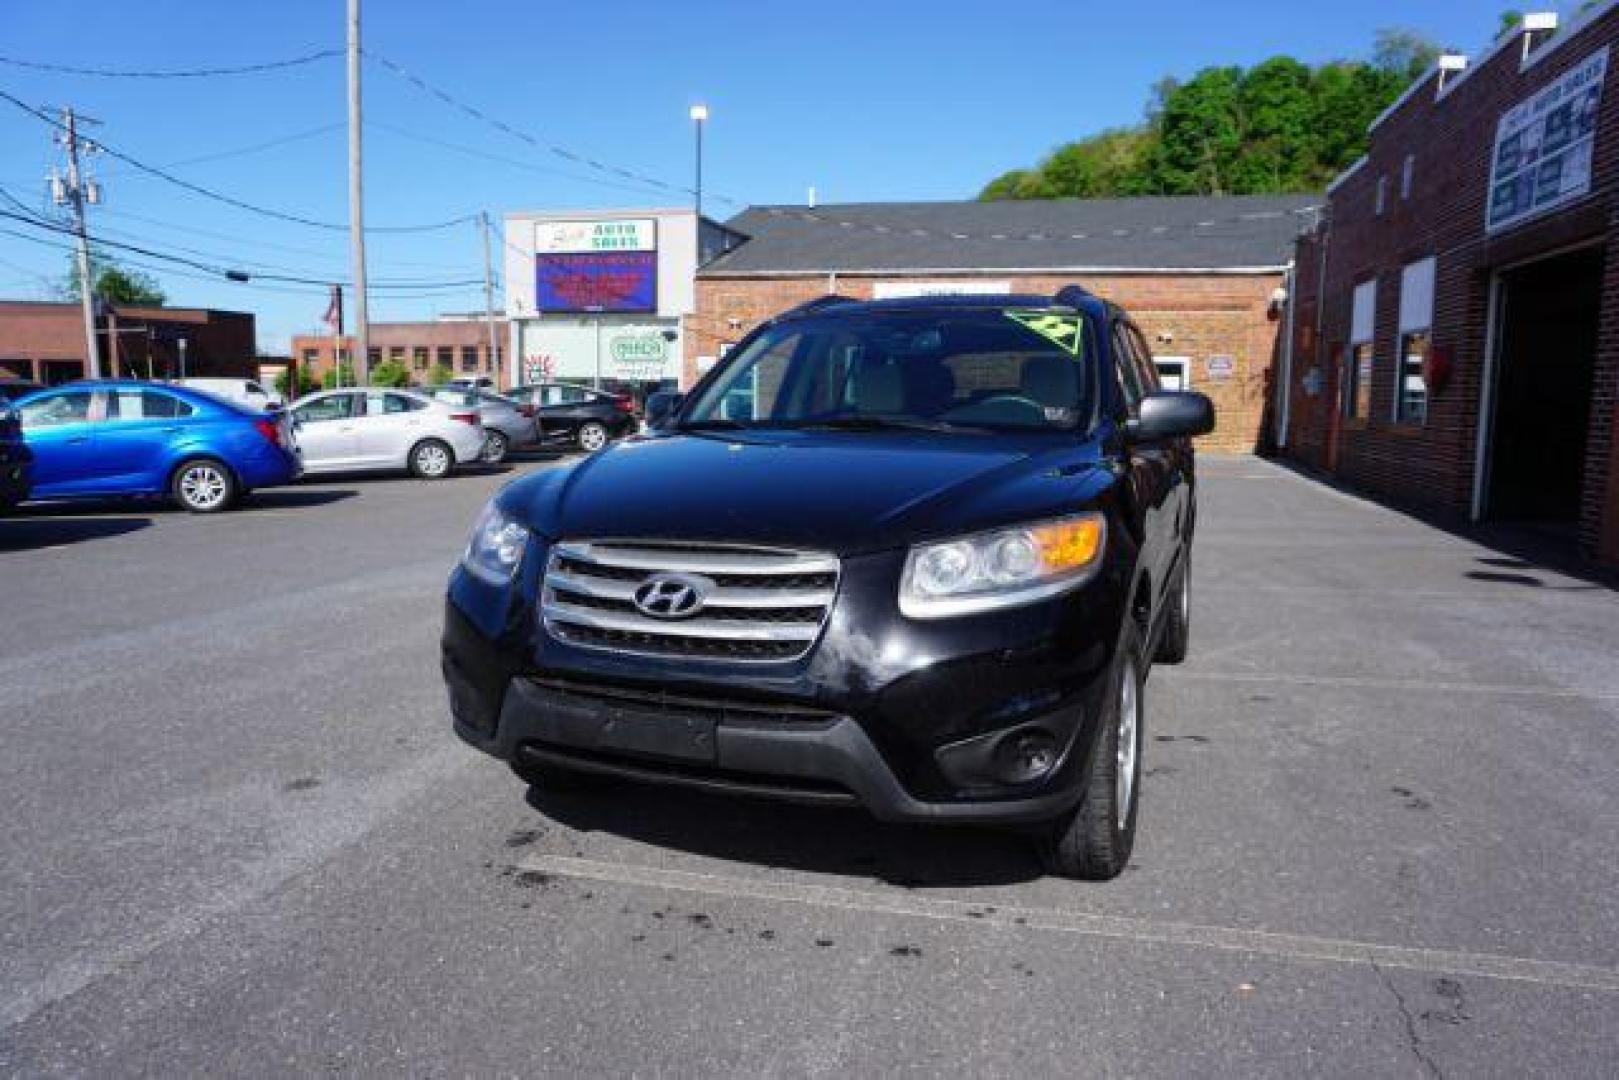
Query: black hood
(841,492)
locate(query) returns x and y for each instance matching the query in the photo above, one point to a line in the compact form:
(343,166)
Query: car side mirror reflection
(661,407)
(1171,414)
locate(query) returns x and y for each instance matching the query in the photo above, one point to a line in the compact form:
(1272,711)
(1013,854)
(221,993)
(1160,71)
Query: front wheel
(495,447)
(1093,842)
(431,459)
(592,436)
(203,486)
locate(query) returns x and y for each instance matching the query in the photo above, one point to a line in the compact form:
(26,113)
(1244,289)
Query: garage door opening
(1549,313)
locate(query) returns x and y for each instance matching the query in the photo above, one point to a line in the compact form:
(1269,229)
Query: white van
(249,392)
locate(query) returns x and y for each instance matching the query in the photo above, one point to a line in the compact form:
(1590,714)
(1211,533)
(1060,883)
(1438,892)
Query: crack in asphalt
(1413,1040)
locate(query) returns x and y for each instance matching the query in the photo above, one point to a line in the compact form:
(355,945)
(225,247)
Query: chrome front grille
(758,603)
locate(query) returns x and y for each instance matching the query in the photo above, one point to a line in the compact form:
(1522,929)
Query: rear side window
(68,407)
(399,403)
(145,405)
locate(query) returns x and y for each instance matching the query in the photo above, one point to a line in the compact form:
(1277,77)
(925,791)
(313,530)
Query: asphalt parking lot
(1380,831)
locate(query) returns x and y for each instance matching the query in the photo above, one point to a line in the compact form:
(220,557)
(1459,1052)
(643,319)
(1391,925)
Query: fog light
(1025,756)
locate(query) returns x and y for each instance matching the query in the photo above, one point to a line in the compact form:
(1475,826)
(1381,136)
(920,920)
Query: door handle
(78,438)
(173,430)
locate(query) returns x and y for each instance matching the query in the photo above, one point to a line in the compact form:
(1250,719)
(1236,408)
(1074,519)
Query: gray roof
(1183,233)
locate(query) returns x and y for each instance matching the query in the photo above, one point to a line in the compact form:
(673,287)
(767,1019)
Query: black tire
(495,447)
(555,778)
(592,436)
(1177,637)
(1093,842)
(431,459)
(203,485)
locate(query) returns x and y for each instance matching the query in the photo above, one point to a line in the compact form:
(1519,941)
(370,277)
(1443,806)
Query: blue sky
(878,99)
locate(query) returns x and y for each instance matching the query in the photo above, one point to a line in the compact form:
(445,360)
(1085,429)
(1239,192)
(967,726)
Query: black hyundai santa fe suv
(914,555)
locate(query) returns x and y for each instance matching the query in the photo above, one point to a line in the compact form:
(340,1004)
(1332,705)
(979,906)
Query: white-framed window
(1357,381)
(1382,194)
(1416,341)
(1407,174)
(1174,372)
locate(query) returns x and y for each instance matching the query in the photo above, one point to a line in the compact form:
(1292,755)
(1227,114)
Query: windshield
(1012,369)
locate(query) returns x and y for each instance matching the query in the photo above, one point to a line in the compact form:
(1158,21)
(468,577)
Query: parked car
(474,382)
(249,392)
(375,429)
(504,422)
(128,437)
(16,460)
(576,415)
(921,561)
(12,389)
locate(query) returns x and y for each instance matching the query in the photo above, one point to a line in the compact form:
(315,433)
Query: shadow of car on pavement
(34,532)
(847,842)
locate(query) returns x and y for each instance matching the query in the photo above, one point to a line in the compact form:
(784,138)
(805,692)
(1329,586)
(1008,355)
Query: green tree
(1404,52)
(116,283)
(1510,21)
(306,384)
(329,378)
(1105,164)
(390,373)
(438,375)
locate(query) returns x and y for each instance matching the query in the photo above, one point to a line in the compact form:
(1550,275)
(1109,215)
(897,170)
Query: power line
(230,200)
(635,186)
(399,71)
(221,271)
(173,73)
(243,151)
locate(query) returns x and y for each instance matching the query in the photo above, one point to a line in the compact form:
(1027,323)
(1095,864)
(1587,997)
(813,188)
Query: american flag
(334,311)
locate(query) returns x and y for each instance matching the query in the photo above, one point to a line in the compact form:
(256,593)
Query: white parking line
(1116,927)
(1350,682)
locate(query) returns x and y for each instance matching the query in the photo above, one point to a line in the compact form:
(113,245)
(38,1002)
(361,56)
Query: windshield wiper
(882,423)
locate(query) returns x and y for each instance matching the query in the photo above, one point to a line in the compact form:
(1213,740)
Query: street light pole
(699,116)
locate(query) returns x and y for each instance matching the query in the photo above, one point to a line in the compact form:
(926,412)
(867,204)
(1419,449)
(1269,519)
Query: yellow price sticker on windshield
(1067,332)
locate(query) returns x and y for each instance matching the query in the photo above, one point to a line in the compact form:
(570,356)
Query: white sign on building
(904,290)
(580,237)
(1543,147)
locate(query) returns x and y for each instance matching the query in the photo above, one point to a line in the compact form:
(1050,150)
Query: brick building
(44,341)
(458,342)
(1456,342)
(1203,277)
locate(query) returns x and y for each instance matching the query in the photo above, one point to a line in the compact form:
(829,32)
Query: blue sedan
(126,437)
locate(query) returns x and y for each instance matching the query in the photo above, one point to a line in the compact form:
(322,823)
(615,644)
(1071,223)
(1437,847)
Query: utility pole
(489,301)
(362,322)
(74,195)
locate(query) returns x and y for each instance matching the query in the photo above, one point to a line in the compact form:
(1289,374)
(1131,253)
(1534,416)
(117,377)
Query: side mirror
(661,406)
(1171,414)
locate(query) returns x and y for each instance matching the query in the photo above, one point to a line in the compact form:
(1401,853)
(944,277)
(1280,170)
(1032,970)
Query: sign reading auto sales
(576,237)
(1543,146)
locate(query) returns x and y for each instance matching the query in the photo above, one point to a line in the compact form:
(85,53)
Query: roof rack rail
(1073,296)
(815,305)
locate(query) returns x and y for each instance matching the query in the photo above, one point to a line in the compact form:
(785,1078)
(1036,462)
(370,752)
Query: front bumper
(910,720)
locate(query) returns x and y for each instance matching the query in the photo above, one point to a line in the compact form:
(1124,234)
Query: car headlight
(496,547)
(1001,568)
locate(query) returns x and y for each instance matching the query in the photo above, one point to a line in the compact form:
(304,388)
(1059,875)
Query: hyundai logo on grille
(672,596)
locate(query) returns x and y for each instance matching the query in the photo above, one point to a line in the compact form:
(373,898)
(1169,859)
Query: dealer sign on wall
(1543,146)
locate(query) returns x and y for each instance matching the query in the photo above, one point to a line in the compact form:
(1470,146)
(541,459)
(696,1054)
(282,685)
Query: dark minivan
(913,555)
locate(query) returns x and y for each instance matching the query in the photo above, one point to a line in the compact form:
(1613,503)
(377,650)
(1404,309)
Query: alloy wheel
(1129,726)
(203,486)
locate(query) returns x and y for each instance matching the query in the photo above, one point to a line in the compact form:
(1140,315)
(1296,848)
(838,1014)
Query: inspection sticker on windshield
(1066,331)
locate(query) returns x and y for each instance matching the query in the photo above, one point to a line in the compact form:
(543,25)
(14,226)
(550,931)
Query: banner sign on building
(905,290)
(575,237)
(597,281)
(1543,147)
